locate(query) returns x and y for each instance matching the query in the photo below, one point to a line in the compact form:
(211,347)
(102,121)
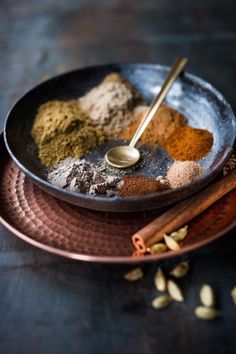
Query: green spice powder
(62,130)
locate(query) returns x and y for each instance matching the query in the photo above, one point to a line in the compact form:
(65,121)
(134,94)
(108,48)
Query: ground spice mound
(117,78)
(159,129)
(188,143)
(62,130)
(183,172)
(54,116)
(140,185)
(83,176)
(110,104)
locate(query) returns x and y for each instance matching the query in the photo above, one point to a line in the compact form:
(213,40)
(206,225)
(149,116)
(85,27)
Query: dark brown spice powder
(139,185)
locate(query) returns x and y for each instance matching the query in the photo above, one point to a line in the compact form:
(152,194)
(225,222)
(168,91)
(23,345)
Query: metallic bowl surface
(202,104)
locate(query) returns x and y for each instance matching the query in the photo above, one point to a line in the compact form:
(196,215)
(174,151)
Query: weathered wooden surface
(49,304)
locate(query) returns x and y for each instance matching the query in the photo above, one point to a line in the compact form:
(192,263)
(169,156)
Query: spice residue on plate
(182,173)
(83,176)
(110,105)
(62,130)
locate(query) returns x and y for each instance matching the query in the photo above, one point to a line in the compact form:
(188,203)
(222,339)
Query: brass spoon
(126,156)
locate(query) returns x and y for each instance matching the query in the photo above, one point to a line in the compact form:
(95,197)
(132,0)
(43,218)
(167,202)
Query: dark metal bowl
(201,103)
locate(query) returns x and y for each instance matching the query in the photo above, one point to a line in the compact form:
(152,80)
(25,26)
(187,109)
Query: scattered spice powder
(140,185)
(62,130)
(187,143)
(110,104)
(181,173)
(159,129)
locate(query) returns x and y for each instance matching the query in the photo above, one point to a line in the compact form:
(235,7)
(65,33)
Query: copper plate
(60,228)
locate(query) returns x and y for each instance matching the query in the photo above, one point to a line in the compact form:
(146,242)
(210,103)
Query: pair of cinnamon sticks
(182,213)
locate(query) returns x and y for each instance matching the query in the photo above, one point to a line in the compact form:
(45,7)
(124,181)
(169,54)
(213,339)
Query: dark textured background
(49,304)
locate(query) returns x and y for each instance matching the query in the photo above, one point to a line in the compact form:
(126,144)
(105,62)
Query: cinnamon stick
(182,213)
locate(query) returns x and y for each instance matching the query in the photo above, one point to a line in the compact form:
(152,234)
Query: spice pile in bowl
(68,132)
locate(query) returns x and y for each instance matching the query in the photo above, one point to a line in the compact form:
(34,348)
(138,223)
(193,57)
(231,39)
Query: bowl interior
(204,107)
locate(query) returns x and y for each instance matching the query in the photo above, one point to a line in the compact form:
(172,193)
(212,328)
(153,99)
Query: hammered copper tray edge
(59,228)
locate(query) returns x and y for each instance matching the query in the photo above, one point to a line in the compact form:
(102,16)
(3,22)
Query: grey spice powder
(83,176)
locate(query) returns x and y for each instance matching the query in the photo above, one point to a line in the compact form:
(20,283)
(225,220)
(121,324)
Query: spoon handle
(176,69)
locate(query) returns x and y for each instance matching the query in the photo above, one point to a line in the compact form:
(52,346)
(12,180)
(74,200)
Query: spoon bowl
(122,156)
